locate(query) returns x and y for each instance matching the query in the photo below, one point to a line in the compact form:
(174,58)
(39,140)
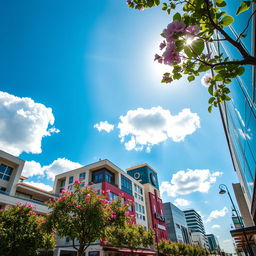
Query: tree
(188,39)
(168,248)
(22,232)
(131,236)
(84,216)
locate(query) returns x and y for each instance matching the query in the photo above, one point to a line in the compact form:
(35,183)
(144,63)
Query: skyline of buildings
(138,185)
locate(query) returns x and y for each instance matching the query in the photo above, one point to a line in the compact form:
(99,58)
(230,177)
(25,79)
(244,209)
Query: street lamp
(223,189)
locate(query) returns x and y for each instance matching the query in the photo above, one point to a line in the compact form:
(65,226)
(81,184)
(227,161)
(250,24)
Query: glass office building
(213,242)
(239,114)
(176,224)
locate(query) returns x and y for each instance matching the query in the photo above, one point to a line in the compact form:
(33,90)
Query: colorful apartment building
(12,188)
(139,185)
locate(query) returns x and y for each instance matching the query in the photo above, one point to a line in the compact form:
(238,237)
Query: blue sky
(92,61)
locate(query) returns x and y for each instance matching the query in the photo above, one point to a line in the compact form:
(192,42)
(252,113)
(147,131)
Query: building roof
(139,166)
(35,188)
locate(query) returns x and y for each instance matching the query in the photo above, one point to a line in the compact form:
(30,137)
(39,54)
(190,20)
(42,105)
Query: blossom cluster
(174,30)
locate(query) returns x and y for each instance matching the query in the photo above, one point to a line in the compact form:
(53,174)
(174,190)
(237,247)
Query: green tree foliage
(83,216)
(131,236)
(188,39)
(168,248)
(22,232)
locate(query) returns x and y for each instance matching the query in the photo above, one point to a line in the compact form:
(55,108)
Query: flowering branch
(185,40)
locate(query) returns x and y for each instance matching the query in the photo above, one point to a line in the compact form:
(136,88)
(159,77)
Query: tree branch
(236,44)
(248,23)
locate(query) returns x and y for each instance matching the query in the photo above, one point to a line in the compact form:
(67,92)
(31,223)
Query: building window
(94,253)
(113,196)
(70,187)
(81,184)
(2,189)
(82,176)
(71,179)
(103,175)
(5,172)
(62,183)
(126,185)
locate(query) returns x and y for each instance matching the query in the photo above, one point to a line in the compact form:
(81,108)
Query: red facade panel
(127,197)
(157,213)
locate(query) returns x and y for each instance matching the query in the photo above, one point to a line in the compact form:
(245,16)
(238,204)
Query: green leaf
(244,6)
(240,71)
(188,51)
(177,16)
(227,20)
(211,100)
(151,3)
(210,89)
(191,78)
(220,3)
(210,109)
(226,97)
(218,77)
(197,46)
(177,76)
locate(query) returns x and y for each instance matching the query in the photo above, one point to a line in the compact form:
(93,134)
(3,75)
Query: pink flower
(88,195)
(64,190)
(170,56)
(140,7)
(77,182)
(113,216)
(162,45)
(78,206)
(121,194)
(107,191)
(174,27)
(192,29)
(158,58)
(128,1)
(208,55)
(167,79)
(127,213)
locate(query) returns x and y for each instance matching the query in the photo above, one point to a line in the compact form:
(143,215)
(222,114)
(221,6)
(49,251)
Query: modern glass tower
(239,114)
(213,242)
(176,224)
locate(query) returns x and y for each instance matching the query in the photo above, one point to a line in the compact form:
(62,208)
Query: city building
(196,226)
(176,224)
(147,176)
(12,188)
(239,115)
(139,184)
(213,242)
(142,191)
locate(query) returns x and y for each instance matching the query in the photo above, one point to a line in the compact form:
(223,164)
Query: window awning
(239,236)
(129,251)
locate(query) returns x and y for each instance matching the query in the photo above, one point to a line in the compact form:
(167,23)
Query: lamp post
(223,189)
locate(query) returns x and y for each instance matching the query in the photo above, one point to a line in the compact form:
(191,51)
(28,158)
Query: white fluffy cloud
(58,166)
(142,128)
(215,226)
(39,185)
(181,202)
(104,126)
(23,124)
(217,214)
(186,182)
